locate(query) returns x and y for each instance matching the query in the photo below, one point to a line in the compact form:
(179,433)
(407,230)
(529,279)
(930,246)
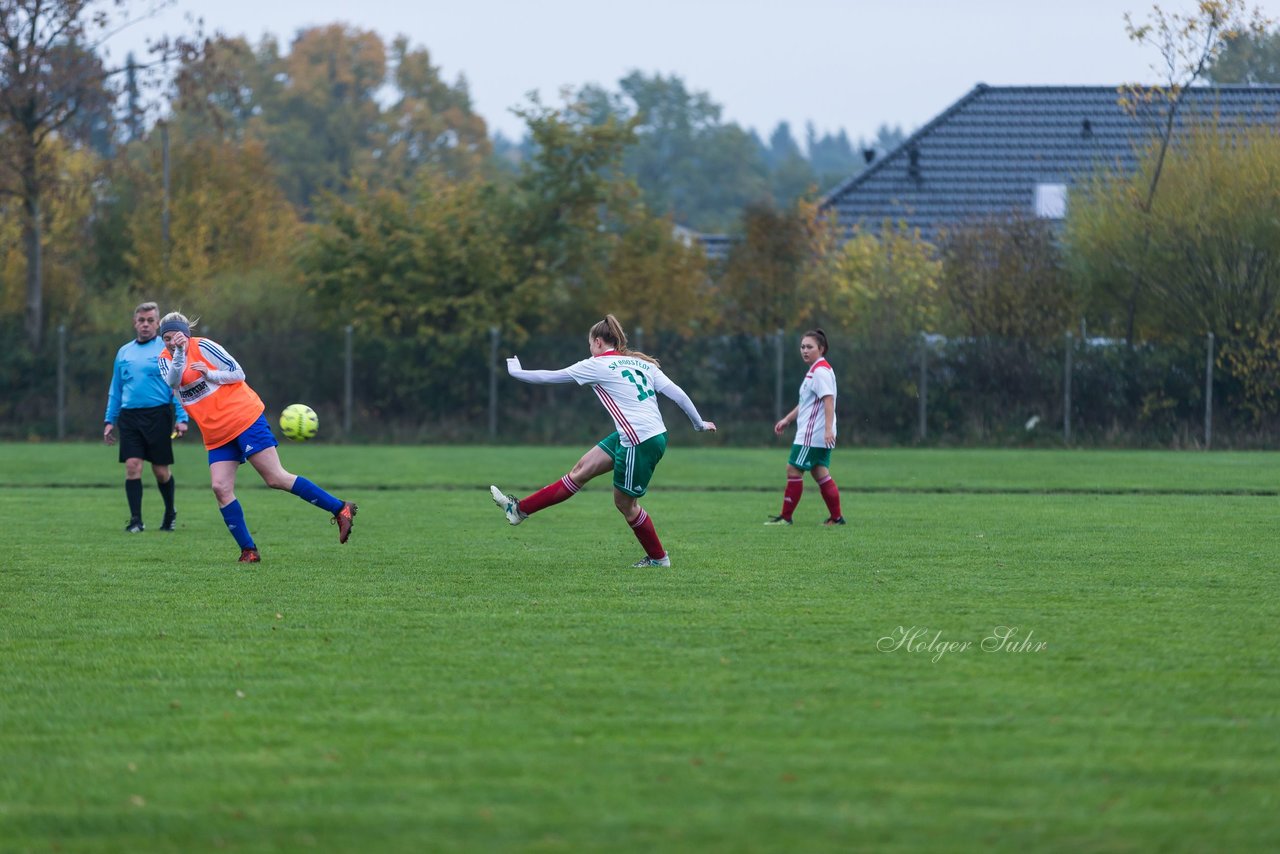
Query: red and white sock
(831,495)
(642,527)
(795,487)
(553,493)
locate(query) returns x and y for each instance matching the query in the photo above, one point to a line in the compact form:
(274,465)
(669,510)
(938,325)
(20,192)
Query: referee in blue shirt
(140,407)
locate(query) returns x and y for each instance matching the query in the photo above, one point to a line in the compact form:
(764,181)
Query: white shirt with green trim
(811,421)
(628,389)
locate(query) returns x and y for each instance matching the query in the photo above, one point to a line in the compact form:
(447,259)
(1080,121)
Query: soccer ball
(299,422)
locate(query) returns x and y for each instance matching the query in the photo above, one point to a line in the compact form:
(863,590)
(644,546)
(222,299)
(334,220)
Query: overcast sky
(850,65)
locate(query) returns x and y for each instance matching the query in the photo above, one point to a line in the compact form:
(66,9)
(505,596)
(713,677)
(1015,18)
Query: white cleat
(665,560)
(509,504)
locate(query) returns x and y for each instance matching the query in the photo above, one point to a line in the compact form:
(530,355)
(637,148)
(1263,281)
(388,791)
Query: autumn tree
(227,214)
(656,280)
(1188,45)
(883,285)
(1005,278)
(48,79)
(774,276)
(433,124)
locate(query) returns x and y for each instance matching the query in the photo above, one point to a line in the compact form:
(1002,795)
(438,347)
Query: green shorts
(633,467)
(805,457)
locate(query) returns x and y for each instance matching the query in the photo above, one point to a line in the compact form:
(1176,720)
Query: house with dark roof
(1002,150)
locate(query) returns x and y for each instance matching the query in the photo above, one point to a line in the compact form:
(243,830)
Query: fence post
(494,333)
(62,380)
(1066,394)
(1208,393)
(777,378)
(164,207)
(348,383)
(922,405)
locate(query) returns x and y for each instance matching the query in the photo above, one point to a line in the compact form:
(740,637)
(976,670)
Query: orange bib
(222,412)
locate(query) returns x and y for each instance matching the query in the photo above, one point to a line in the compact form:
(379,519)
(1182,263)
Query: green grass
(446,682)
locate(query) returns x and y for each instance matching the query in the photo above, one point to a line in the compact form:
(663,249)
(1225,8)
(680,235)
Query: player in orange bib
(212,388)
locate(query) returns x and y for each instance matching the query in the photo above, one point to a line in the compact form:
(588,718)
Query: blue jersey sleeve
(114,391)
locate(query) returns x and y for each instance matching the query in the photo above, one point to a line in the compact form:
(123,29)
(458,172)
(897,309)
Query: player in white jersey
(815,417)
(627,384)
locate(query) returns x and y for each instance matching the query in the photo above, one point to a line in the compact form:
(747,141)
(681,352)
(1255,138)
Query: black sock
(133,491)
(166,492)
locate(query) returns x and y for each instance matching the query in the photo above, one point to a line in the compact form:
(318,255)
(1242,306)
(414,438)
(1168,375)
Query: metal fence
(908,390)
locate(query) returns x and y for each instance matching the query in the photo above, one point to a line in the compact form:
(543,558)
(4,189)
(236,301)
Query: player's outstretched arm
(682,400)
(536,377)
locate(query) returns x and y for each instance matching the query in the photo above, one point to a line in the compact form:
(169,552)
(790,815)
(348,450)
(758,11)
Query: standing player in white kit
(627,383)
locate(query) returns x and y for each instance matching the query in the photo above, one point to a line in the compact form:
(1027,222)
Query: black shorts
(146,434)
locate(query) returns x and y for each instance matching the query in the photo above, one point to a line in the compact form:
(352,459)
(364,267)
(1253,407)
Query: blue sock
(233,515)
(312,494)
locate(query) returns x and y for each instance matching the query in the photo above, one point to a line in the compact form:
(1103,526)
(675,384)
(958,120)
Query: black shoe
(249,556)
(837,521)
(135,526)
(167,524)
(778,520)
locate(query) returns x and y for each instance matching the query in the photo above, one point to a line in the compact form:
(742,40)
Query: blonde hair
(610,331)
(177,315)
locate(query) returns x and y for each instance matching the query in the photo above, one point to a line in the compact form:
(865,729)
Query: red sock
(795,486)
(553,493)
(831,495)
(642,527)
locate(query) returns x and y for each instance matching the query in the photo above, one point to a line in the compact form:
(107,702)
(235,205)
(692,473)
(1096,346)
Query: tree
(773,278)
(1252,59)
(1188,46)
(689,164)
(790,174)
(432,124)
(652,278)
(1209,248)
(47,78)
(1004,278)
(884,285)
(227,215)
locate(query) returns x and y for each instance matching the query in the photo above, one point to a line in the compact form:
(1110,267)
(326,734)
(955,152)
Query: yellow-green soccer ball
(299,422)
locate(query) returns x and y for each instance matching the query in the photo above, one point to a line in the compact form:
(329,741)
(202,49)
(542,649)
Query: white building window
(1051,201)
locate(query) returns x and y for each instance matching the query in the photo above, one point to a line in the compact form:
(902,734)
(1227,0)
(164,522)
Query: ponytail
(610,331)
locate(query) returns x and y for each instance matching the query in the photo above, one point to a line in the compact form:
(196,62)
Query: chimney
(868,154)
(913,163)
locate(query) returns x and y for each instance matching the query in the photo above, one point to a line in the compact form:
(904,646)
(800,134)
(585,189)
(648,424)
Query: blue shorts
(257,437)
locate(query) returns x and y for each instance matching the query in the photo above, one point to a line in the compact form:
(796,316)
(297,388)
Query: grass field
(448,683)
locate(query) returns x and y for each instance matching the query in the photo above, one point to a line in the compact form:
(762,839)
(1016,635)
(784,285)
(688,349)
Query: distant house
(716,246)
(1006,149)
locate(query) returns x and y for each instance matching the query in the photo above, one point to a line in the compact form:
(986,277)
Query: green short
(633,467)
(805,458)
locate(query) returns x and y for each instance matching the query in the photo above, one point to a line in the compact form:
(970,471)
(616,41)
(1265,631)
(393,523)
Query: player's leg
(164,482)
(267,464)
(796,465)
(830,493)
(633,469)
(132,449)
(223,464)
(133,494)
(594,463)
(160,454)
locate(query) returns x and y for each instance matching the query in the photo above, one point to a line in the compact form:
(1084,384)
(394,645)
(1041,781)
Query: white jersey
(628,387)
(811,419)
